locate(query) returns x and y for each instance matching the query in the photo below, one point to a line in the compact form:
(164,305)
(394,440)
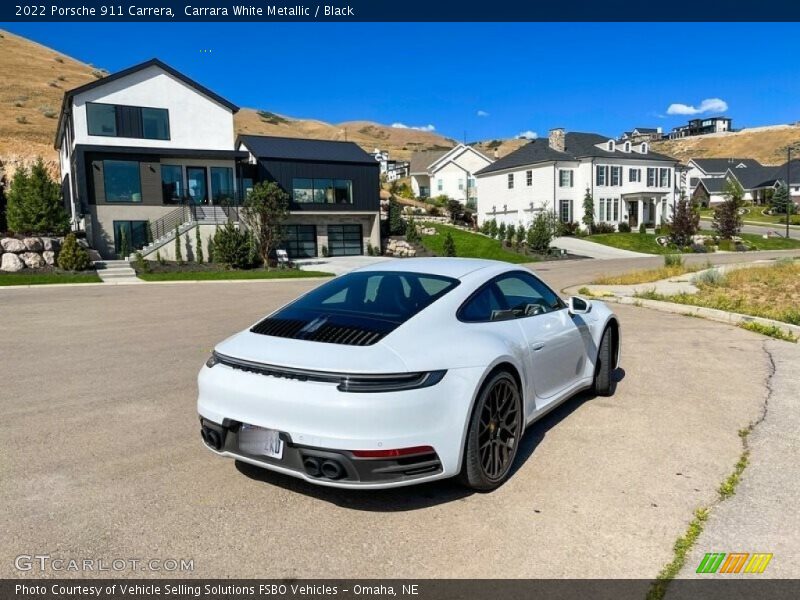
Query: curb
(142,281)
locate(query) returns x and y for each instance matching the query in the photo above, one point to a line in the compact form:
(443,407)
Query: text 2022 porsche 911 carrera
(404,372)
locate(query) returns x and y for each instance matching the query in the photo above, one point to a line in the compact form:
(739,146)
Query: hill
(765,144)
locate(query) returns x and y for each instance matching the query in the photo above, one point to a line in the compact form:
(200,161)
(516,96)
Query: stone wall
(21,253)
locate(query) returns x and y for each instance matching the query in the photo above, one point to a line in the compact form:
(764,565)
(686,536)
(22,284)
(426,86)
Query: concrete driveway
(581,247)
(102,456)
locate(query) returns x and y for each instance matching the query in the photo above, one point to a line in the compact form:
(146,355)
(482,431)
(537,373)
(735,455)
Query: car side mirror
(578,306)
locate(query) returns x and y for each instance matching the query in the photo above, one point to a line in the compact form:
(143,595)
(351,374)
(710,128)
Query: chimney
(555,139)
(496,154)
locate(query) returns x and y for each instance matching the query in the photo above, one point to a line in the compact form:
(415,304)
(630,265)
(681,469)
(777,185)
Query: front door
(197,185)
(633,214)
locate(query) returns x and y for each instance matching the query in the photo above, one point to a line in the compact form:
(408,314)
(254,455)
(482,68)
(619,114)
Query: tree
(412,235)
(449,245)
(397,226)
(501,231)
(34,202)
(73,256)
(264,211)
(588,210)
(685,223)
(727,221)
(511,231)
(493,228)
(781,202)
(540,234)
(210,247)
(124,244)
(198,246)
(456,210)
(178,252)
(232,247)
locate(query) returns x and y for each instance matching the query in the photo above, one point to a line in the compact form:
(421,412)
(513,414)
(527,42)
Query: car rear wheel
(604,370)
(493,435)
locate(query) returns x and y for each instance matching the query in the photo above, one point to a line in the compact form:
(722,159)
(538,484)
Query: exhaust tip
(211,438)
(332,469)
(312,466)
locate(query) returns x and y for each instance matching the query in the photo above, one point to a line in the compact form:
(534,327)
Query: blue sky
(485,80)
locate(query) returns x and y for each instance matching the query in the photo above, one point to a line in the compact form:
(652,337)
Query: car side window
(484,306)
(526,296)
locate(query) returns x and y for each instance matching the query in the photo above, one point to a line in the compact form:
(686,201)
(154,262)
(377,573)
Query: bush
(449,245)
(433,211)
(624,227)
(140,263)
(673,260)
(642,228)
(34,202)
(198,246)
(603,228)
(324,251)
(160,259)
(210,247)
(685,223)
(397,226)
(178,251)
(456,210)
(708,277)
(124,244)
(232,247)
(412,235)
(73,256)
(540,234)
(568,229)
(370,249)
(501,232)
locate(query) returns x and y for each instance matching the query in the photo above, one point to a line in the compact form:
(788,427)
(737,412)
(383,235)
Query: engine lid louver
(314,331)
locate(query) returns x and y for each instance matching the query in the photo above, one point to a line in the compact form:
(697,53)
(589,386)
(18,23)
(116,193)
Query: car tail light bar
(393,453)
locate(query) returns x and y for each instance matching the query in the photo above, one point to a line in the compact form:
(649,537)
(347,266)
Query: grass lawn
(646,242)
(221,275)
(756,216)
(472,245)
(772,243)
(48,277)
(769,291)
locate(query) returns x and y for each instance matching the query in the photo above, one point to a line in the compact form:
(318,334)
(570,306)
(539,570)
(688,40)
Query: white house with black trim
(628,182)
(448,173)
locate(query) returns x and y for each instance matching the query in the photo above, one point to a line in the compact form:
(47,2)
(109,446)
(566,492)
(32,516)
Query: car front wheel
(493,435)
(604,370)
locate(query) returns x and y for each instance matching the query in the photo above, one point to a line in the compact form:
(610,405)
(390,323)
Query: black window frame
(344,238)
(178,198)
(135,242)
(510,181)
(291,244)
(105,181)
(529,178)
(129,121)
(560,304)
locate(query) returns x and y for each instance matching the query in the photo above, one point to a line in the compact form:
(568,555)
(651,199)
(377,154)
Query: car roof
(456,268)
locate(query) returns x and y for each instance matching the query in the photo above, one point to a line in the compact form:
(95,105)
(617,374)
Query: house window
(121,180)
(222,186)
(602,209)
(616,209)
(300,241)
(565,211)
(616,175)
(664,179)
(439,185)
(609,203)
(529,178)
(101,119)
(611,145)
(644,148)
(565,178)
(460,184)
(116,120)
(627,146)
(634,175)
(511,181)
(135,234)
(651,177)
(172,187)
(602,175)
(322,191)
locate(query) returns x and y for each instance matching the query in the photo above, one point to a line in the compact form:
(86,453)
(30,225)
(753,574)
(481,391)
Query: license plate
(259,441)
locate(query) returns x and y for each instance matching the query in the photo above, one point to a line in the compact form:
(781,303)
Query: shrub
(685,223)
(604,228)
(708,277)
(501,232)
(433,211)
(178,252)
(324,251)
(140,263)
(370,249)
(397,226)
(642,228)
(511,231)
(624,227)
(59,59)
(210,247)
(456,210)
(48,111)
(727,221)
(540,234)
(588,210)
(99,73)
(412,234)
(73,256)
(493,228)
(124,244)
(568,229)
(449,245)
(160,259)
(198,246)
(232,247)
(673,260)
(34,202)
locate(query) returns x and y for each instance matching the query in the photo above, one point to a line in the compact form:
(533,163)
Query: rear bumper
(318,422)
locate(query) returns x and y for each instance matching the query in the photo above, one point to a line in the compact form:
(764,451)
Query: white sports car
(404,372)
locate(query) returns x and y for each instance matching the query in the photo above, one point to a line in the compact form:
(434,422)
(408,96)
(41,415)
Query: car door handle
(537,346)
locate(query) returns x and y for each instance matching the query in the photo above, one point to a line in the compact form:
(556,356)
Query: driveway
(582,247)
(338,264)
(102,456)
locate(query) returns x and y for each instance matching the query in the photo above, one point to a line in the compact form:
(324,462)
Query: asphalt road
(101,455)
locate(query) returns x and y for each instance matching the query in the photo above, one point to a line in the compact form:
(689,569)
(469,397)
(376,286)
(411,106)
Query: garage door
(300,241)
(344,240)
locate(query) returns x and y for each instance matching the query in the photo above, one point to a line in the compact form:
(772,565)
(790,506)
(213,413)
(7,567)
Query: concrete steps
(116,272)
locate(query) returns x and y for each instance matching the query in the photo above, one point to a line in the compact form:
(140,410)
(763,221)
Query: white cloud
(428,127)
(482,113)
(528,135)
(716,105)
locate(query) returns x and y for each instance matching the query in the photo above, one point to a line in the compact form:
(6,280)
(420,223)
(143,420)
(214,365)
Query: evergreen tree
(781,202)
(34,202)
(397,226)
(198,245)
(493,228)
(210,246)
(178,252)
(588,210)
(73,256)
(511,231)
(449,245)
(540,234)
(501,231)
(124,244)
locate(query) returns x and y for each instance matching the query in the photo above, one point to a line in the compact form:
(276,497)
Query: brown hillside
(765,144)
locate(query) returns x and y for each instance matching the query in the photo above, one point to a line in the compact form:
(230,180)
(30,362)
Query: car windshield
(393,296)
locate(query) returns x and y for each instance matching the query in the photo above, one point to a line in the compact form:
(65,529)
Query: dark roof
(153,62)
(576,146)
(713,185)
(420,161)
(756,176)
(646,130)
(264,146)
(780,172)
(720,165)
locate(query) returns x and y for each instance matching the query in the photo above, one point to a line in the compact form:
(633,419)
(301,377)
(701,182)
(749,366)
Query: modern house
(334,188)
(390,168)
(148,151)
(642,134)
(448,173)
(702,127)
(627,182)
(138,143)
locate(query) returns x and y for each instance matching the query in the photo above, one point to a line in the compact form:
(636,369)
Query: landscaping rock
(49,257)
(83,242)
(11,263)
(51,244)
(12,245)
(94,255)
(32,260)
(33,244)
